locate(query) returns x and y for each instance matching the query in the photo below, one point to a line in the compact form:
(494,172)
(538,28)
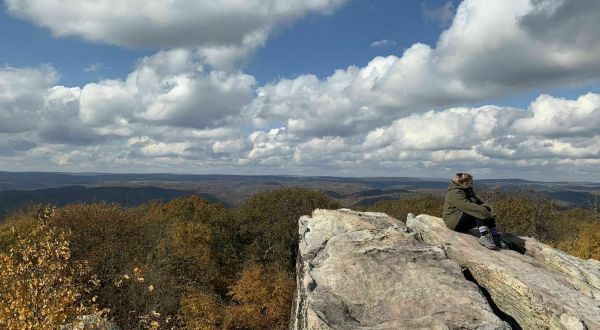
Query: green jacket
(460,199)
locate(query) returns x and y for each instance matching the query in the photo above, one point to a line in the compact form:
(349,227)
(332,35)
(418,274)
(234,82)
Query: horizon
(338,88)
(425,178)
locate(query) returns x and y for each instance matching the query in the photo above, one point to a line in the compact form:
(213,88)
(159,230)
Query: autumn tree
(268,223)
(261,299)
(41,286)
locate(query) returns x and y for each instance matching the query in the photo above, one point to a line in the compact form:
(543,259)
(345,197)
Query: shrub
(42,287)
(524,213)
(268,224)
(201,310)
(261,299)
(416,204)
(587,245)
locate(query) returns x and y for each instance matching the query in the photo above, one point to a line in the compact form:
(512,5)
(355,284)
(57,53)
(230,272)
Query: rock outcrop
(540,289)
(369,271)
(362,271)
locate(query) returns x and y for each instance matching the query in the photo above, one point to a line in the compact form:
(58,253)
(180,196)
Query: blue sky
(23,44)
(501,88)
(317,44)
(322,44)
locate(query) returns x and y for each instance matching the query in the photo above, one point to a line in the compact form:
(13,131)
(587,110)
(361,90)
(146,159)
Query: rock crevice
(541,289)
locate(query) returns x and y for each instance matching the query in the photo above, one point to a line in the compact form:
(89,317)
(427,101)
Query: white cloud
(22,96)
(105,102)
(451,129)
(94,67)
(229,146)
(487,51)
(383,43)
(174,113)
(225,30)
(561,117)
(268,148)
(482,139)
(165,149)
(169,88)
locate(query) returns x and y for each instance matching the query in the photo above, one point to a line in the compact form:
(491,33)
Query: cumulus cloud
(170,98)
(552,134)
(169,88)
(563,22)
(561,117)
(225,31)
(484,138)
(489,50)
(22,95)
(452,129)
(407,113)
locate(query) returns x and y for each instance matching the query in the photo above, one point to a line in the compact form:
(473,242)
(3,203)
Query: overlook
(284,164)
(192,264)
(364,270)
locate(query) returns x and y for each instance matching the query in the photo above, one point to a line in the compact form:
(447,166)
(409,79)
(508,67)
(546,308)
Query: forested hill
(11,200)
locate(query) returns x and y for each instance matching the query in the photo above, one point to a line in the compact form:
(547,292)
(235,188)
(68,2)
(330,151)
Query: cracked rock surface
(361,270)
(541,289)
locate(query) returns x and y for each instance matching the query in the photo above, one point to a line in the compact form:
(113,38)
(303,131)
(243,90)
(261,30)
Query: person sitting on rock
(463,210)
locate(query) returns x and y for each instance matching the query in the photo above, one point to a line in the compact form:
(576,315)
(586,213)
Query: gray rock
(363,271)
(90,322)
(541,289)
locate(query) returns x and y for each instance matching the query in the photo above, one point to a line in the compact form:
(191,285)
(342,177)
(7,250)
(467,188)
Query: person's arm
(458,199)
(484,204)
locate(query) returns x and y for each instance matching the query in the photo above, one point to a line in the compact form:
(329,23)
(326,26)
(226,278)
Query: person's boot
(487,241)
(499,242)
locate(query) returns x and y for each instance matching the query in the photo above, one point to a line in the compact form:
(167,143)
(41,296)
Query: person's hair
(463,179)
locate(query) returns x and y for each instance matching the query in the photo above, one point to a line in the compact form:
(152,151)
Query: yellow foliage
(201,310)
(41,287)
(187,252)
(587,245)
(262,298)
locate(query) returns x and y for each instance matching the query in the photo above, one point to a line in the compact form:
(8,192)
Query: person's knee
(490,222)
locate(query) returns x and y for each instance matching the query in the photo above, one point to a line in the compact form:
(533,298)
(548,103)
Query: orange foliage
(201,310)
(261,299)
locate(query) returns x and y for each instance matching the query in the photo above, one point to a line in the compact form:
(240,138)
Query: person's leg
(485,225)
(465,223)
(486,239)
(496,235)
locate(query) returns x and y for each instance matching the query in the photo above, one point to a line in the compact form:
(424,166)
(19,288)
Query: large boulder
(542,288)
(363,271)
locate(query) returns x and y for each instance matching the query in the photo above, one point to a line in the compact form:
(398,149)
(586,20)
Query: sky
(497,88)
